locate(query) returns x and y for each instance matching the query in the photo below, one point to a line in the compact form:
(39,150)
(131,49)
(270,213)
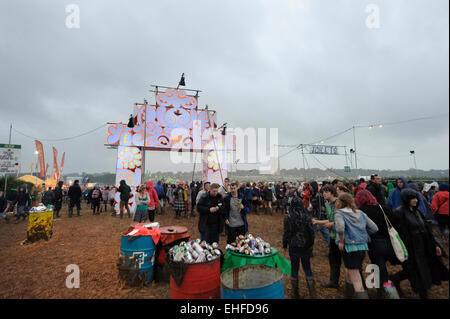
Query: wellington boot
(294,288)
(349,291)
(361,295)
(311,287)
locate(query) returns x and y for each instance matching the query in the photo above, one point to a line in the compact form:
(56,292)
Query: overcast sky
(309,68)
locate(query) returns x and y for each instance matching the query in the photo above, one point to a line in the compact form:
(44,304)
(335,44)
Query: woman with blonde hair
(353,228)
(142,200)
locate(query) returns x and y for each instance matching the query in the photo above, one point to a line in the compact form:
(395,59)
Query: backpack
(96,194)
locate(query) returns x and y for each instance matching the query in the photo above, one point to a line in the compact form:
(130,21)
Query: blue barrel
(252,282)
(136,260)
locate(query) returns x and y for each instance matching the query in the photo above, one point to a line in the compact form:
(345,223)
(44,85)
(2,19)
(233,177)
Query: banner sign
(40,150)
(324,149)
(9,158)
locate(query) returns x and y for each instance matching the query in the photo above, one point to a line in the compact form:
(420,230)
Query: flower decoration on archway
(130,157)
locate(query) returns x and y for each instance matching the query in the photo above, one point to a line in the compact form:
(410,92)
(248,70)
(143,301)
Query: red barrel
(200,281)
(169,235)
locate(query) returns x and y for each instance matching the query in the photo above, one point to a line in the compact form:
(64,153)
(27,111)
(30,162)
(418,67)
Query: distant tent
(32,179)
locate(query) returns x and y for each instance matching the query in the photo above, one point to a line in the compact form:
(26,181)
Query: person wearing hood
(318,210)
(424,206)
(395,198)
(440,207)
(58,199)
(298,236)
(423,268)
(353,228)
(154,201)
(390,187)
(125,194)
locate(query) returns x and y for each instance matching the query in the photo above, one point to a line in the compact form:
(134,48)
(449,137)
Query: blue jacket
(244,211)
(356,227)
(395,198)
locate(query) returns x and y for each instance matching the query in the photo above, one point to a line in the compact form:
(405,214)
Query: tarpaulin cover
(274,259)
(140,230)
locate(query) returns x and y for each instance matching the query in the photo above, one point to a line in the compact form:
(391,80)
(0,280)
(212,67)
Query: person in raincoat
(424,266)
(395,198)
(154,201)
(391,188)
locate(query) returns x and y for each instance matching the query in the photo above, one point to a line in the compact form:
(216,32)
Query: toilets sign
(9,158)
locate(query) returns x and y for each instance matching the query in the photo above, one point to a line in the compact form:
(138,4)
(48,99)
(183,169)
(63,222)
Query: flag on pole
(31,168)
(46,169)
(40,150)
(62,163)
(55,162)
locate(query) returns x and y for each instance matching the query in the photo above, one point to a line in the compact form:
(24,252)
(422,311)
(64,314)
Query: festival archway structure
(173,123)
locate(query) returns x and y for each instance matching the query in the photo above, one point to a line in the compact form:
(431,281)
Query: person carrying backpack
(125,194)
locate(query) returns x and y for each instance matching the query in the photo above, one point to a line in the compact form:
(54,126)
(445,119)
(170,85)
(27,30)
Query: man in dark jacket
(47,197)
(374,186)
(58,199)
(125,194)
(298,235)
(210,208)
(318,209)
(74,198)
(23,201)
(236,210)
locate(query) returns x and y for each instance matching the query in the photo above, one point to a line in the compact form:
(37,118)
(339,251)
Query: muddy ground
(38,270)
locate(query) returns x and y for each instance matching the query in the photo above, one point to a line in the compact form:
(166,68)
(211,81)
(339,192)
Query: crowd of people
(354,218)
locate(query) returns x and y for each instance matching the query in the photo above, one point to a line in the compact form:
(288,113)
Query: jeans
(297,255)
(334,255)
(2,215)
(210,234)
(324,231)
(96,207)
(233,232)
(381,251)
